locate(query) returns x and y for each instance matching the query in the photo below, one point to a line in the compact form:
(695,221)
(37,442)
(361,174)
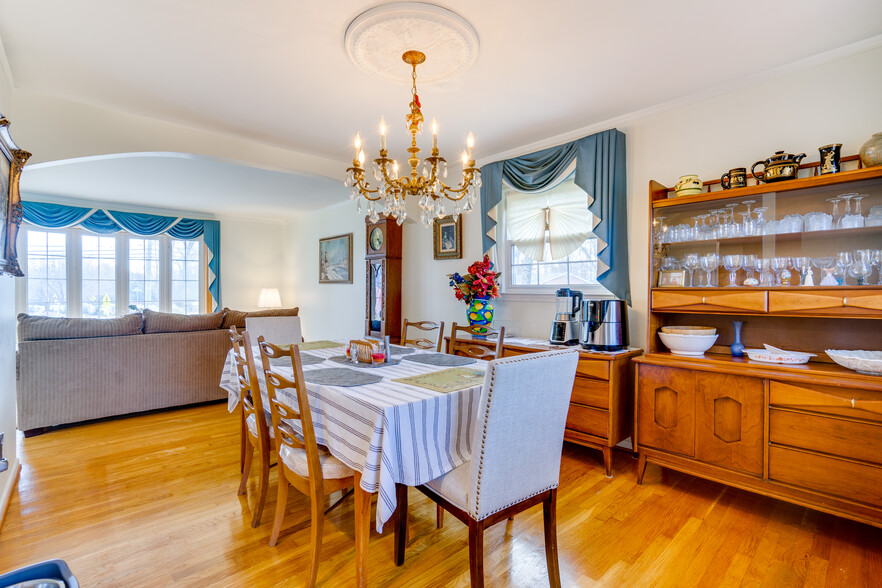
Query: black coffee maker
(565,327)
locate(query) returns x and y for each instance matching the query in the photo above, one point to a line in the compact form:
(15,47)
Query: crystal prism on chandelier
(426,181)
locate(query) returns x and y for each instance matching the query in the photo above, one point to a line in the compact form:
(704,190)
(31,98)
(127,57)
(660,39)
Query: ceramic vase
(871,151)
(480,313)
(736,347)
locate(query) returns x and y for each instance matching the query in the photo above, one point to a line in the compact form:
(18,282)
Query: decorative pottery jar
(734,178)
(871,151)
(688,185)
(829,158)
(780,166)
(480,313)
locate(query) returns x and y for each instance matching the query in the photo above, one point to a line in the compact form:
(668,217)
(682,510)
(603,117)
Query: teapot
(780,166)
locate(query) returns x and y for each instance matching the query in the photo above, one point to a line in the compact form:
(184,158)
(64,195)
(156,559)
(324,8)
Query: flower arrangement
(480,282)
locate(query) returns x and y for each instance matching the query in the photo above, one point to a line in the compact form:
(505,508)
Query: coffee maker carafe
(566,327)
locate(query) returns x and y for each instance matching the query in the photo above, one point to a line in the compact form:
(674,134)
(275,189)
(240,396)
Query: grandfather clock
(383,259)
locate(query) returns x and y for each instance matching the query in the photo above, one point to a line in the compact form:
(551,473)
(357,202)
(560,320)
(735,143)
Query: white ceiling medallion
(378,37)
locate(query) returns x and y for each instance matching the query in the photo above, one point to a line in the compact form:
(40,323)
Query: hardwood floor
(151,501)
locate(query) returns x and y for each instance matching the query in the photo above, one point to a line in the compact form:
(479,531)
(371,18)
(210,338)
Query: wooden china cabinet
(383,249)
(809,434)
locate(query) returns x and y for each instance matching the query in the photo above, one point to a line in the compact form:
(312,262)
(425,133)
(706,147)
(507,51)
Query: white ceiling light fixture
(374,42)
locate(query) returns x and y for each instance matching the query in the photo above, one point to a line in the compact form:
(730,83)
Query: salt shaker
(388,350)
(353,352)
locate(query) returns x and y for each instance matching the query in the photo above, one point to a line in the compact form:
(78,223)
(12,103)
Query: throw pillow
(34,328)
(166,322)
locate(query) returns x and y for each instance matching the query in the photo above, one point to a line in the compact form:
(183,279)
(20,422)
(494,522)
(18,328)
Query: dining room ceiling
(278,72)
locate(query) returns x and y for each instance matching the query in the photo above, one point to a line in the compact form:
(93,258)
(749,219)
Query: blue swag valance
(59,216)
(600,171)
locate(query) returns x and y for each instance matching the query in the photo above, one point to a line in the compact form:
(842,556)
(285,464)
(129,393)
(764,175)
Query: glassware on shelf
(826,264)
(779,266)
(847,212)
(670,263)
(818,221)
(660,229)
(836,214)
(760,220)
(748,262)
(843,260)
(876,261)
(709,263)
(860,269)
(792,223)
(749,224)
(804,266)
(691,262)
(764,266)
(770,227)
(732,263)
(856,219)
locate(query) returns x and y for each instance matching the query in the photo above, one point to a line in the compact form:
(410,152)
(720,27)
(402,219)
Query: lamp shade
(269,298)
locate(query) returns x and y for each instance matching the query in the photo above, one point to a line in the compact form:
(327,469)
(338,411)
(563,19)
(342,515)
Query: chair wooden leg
(262,487)
(400,523)
(317,528)
(246,469)
(281,505)
(439,516)
(476,553)
(549,512)
(243,438)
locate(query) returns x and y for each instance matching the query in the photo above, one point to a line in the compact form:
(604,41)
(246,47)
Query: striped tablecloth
(391,432)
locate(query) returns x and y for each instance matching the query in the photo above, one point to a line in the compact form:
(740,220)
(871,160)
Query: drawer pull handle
(852,402)
(703,300)
(844,301)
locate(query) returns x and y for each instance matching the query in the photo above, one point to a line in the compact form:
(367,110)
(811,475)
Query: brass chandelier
(427,183)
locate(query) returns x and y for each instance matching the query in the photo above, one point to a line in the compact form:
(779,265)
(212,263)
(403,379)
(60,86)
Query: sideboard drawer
(844,302)
(837,477)
(594,368)
(849,402)
(588,420)
(710,300)
(591,392)
(837,436)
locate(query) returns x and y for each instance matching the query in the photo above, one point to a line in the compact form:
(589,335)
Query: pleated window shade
(561,212)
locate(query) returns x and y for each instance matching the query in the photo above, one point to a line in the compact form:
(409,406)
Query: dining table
(398,424)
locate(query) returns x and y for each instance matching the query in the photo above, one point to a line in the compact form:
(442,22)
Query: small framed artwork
(447,235)
(671,278)
(335,259)
(12,159)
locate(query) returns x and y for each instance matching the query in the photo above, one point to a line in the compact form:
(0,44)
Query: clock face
(376,238)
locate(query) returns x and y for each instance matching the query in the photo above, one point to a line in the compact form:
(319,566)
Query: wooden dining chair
(419,341)
(509,471)
(255,430)
(302,464)
(467,347)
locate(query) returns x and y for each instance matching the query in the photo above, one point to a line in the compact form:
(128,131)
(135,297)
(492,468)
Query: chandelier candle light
(428,183)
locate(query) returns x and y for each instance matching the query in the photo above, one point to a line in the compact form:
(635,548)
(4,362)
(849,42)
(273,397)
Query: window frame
(74,257)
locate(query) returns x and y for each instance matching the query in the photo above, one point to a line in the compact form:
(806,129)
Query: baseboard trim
(12,484)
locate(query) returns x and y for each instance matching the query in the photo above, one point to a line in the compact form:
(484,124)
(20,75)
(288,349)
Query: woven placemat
(346,361)
(399,350)
(340,377)
(305,359)
(440,359)
(446,380)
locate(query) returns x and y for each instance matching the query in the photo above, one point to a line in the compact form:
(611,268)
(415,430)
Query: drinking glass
(748,262)
(709,263)
(732,263)
(876,261)
(691,262)
(760,221)
(778,265)
(826,263)
(804,266)
(661,229)
(669,263)
(853,220)
(860,269)
(749,227)
(764,266)
(843,260)
(836,214)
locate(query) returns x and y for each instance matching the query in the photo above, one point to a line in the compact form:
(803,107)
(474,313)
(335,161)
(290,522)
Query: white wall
(833,102)
(251,259)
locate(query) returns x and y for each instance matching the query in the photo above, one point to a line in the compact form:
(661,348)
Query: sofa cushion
(34,328)
(236,318)
(166,322)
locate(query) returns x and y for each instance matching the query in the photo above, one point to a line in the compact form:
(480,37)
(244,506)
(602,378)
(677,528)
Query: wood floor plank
(151,501)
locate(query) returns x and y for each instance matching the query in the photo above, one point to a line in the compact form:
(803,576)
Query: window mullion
(122,273)
(165,273)
(74,273)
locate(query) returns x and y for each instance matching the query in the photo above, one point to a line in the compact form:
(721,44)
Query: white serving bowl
(768,356)
(863,362)
(691,345)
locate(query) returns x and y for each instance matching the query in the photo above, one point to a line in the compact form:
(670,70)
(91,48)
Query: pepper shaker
(388,350)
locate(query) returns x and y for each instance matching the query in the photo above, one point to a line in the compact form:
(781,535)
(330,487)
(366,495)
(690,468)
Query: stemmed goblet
(804,266)
(843,260)
(860,269)
(748,262)
(691,262)
(709,263)
(876,261)
(826,264)
(778,265)
(732,263)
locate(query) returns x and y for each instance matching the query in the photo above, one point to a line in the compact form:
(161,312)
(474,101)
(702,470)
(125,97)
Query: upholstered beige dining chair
(302,464)
(420,341)
(460,346)
(280,330)
(509,471)
(256,434)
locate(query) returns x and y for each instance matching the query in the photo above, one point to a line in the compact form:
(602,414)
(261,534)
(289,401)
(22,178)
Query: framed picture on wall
(12,159)
(335,259)
(447,235)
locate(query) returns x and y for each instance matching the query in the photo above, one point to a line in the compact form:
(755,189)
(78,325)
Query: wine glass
(843,260)
(691,262)
(778,265)
(804,267)
(661,229)
(748,262)
(760,221)
(836,214)
(826,263)
(860,269)
(748,221)
(764,266)
(709,263)
(876,261)
(732,263)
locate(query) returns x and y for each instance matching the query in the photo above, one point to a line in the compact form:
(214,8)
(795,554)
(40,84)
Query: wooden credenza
(601,406)
(809,434)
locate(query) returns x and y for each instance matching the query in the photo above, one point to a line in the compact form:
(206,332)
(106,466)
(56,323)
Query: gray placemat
(305,359)
(345,361)
(340,377)
(399,350)
(440,359)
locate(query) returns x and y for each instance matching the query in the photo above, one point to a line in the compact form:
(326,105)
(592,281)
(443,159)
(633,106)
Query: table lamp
(269,298)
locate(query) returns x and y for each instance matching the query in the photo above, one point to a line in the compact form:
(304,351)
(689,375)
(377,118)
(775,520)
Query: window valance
(59,216)
(600,171)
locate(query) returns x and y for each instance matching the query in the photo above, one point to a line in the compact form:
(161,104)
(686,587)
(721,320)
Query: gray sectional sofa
(73,370)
